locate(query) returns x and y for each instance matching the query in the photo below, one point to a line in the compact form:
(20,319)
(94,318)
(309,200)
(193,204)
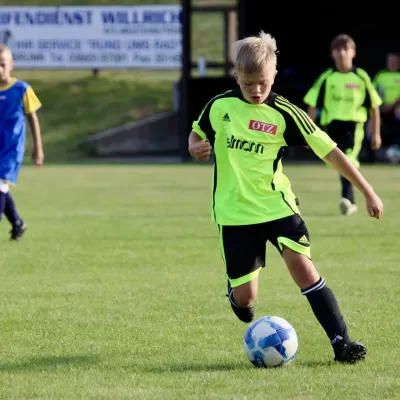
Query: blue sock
(347,189)
(10,211)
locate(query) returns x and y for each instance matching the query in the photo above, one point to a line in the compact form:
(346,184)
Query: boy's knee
(244,295)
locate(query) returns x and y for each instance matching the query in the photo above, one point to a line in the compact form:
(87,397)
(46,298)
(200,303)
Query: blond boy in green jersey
(345,96)
(252,202)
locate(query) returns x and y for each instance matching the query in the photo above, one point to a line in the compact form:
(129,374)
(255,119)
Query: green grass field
(117,290)
(76,105)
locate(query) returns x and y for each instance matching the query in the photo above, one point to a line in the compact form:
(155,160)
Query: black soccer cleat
(245,314)
(18,231)
(350,352)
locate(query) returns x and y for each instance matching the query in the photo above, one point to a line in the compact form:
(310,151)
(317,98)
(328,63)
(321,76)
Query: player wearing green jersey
(252,200)
(387,83)
(345,96)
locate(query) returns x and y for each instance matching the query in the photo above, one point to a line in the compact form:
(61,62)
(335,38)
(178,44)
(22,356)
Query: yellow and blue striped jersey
(16,101)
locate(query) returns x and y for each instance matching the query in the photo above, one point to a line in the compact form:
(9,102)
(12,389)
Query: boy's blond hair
(5,50)
(255,53)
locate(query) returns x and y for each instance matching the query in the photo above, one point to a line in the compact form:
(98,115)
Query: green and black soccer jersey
(343,96)
(387,84)
(249,186)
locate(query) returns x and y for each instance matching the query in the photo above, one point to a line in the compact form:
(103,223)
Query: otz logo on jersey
(262,127)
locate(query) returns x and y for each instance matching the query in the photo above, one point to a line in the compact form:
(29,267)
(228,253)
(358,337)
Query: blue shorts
(9,170)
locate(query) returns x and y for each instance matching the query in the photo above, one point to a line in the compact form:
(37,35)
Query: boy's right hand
(374,205)
(200,150)
(38,156)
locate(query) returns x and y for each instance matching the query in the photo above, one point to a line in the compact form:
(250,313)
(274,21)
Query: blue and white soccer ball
(270,342)
(393,154)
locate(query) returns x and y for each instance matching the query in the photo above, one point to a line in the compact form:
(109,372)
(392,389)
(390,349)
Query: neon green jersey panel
(387,83)
(249,140)
(343,96)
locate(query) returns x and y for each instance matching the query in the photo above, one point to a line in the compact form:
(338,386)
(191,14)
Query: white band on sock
(4,187)
(319,285)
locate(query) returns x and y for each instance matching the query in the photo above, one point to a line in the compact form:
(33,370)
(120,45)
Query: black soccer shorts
(349,137)
(243,247)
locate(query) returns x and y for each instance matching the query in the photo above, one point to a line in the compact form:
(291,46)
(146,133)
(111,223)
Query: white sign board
(147,37)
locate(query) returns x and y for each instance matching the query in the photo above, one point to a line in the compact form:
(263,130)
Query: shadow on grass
(49,363)
(218,367)
(184,367)
(314,363)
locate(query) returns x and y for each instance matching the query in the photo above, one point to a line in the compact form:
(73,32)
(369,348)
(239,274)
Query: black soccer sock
(347,189)
(2,203)
(10,211)
(326,309)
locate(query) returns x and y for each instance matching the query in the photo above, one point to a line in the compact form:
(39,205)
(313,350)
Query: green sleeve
(375,81)
(301,130)
(374,98)
(196,128)
(378,85)
(320,143)
(315,94)
(208,122)
(377,78)
(202,126)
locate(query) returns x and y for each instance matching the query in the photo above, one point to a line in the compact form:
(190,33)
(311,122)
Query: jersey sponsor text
(233,143)
(262,127)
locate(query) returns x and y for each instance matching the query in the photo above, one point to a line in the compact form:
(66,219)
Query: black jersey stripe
(204,118)
(214,187)
(278,158)
(299,116)
(321,95)
(298,121)
(300,113)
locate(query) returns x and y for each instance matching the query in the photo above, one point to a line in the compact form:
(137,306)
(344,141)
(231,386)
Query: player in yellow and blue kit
(17,101)
(252,201)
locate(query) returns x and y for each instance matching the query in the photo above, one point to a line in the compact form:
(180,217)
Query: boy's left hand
(38,156)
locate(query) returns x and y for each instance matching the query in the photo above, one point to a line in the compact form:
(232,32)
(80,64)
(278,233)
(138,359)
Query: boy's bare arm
(337,159)
(37,155)
(199,148)
(312,113)
(375,125)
